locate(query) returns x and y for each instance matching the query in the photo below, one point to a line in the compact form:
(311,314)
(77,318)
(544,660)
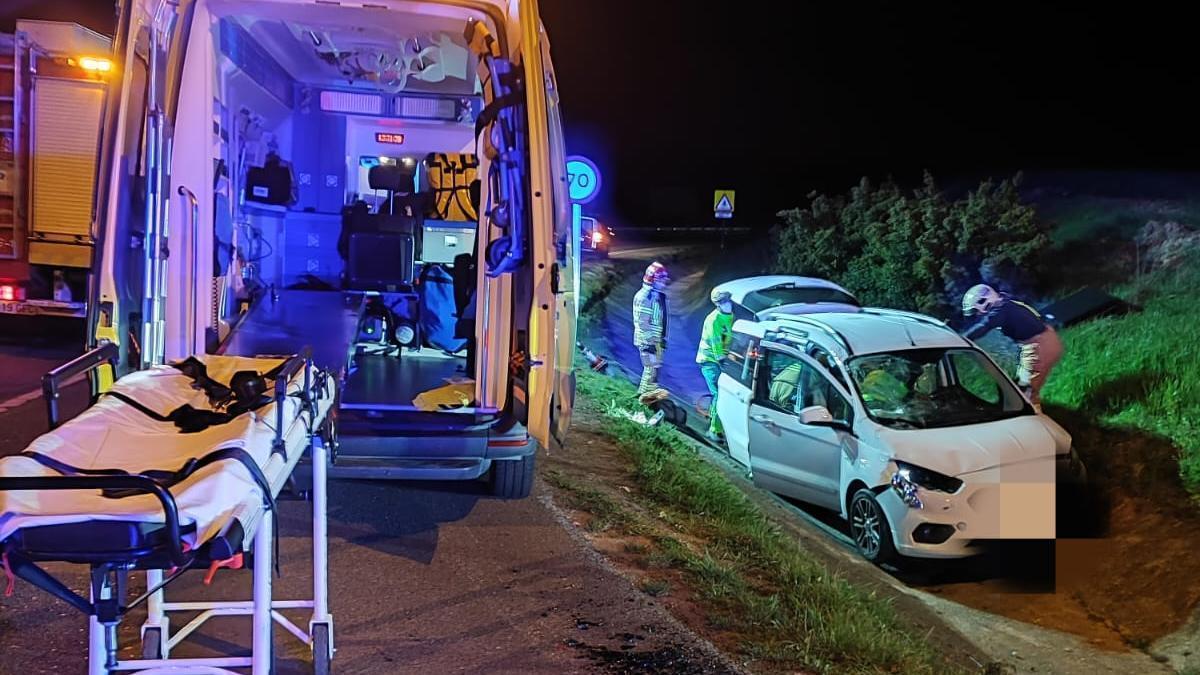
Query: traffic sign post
(583,184)
(723,202)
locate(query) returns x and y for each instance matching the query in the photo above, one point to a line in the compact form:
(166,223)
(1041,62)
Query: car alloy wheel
(869,528)
(864,525)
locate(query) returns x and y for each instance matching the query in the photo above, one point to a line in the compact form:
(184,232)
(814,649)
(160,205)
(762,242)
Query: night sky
(777,99)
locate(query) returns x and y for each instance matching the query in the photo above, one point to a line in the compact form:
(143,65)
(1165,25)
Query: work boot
(653,396)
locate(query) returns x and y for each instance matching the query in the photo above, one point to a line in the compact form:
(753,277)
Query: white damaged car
(899,424)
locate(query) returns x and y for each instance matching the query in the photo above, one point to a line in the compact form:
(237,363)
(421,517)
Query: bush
(918,250)
(1166,244)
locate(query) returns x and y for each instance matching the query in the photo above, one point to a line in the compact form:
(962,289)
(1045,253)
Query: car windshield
(927,388)
(757,301)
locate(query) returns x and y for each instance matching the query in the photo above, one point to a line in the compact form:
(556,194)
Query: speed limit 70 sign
(583,179)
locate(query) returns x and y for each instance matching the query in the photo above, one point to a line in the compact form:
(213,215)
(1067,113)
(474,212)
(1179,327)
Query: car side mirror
(819,416)
(816,415)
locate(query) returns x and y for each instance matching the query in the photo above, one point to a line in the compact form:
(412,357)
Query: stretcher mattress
(115,435)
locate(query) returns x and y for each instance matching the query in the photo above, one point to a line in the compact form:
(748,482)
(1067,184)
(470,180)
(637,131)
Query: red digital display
(389,138)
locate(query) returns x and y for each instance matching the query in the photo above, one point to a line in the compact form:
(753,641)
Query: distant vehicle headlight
(908,478)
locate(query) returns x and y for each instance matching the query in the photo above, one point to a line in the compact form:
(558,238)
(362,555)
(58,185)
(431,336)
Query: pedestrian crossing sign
(723,203)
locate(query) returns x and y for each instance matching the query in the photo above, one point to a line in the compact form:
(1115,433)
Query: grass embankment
(751,580)
(1141,371)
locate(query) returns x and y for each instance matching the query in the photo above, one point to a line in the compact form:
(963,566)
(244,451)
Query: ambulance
(381,184)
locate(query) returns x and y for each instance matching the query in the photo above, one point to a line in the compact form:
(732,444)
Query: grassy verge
(752,580)
(606,513)
(1141,371)
(597,280)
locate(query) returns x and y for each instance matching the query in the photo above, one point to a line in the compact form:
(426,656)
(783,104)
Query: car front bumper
(1009,503)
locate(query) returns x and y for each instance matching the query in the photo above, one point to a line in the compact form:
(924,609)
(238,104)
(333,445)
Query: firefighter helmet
(980,298)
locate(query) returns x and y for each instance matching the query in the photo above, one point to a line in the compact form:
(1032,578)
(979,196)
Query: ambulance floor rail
(157,551)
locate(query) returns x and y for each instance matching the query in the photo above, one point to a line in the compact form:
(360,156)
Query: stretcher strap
(191,420)
(246,392)
(220,394)
(450,178)
(491,112)
(167,478)
(139,407)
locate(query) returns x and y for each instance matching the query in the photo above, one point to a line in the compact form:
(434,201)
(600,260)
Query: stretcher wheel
(321,658)
(152,645)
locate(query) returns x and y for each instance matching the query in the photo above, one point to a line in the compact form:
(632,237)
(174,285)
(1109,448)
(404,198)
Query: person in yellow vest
(650,328)
(715,338)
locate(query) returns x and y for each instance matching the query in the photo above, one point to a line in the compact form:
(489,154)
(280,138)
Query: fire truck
(52,88)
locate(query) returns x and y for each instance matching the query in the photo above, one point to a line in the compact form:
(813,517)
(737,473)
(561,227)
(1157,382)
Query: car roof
(869,331)
(739,288)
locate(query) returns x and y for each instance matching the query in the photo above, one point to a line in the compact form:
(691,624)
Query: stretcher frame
(107,588)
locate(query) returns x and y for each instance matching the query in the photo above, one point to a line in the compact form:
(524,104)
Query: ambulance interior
(344,142)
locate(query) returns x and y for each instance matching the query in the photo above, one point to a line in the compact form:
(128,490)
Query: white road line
(18,401)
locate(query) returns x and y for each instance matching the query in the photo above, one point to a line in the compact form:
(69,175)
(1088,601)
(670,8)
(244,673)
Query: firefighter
(1040,346)
(650,327)
(715,338)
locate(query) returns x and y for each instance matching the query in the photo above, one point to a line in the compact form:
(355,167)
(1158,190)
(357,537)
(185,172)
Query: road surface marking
(18,401)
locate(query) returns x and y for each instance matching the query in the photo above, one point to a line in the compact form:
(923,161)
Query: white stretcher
(126,486)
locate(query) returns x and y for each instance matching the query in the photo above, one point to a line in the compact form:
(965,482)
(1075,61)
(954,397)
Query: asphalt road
(22,364)
(433,578)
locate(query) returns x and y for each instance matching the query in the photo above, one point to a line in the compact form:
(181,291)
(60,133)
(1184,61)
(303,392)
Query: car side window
(819,390)
(975,379)
(739,362)
(741,312)
(781,386)
(828,363)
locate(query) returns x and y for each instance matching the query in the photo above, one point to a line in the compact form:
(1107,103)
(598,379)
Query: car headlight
(908,478)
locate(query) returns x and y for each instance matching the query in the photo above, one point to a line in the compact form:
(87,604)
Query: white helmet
(718,296)
(980,298)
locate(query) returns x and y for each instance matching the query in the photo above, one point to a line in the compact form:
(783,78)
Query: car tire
(869,529)
(512,478)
